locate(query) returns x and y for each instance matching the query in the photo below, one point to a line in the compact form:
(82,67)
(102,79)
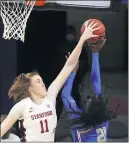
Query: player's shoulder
(102,125)
(21,103)
(48,100)
(52,89)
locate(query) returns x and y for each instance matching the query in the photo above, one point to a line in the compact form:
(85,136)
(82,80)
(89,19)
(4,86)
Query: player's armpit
(62,77)
(57,84)
(8,123)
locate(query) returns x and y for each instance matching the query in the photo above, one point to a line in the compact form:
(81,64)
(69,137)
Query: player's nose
(43,85)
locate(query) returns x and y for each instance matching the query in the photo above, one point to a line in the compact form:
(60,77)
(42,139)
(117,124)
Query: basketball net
(15,14)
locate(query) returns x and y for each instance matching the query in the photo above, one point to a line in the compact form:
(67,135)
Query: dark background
(43,49)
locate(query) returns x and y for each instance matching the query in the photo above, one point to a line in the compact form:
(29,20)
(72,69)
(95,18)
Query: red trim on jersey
(22,131)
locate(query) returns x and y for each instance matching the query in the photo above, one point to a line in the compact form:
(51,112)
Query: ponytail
(19,88)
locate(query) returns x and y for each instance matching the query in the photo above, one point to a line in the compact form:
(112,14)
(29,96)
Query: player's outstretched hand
(89,29)
(77,65)
(97,46)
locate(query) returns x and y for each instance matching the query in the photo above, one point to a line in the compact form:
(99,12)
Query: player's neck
(37,99)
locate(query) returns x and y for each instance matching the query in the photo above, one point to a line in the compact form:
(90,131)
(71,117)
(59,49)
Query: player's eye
(38,81)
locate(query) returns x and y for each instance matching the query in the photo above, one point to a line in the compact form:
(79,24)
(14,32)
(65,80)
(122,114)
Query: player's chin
(43,95)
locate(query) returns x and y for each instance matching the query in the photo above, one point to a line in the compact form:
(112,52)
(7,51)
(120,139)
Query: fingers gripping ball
(100,32)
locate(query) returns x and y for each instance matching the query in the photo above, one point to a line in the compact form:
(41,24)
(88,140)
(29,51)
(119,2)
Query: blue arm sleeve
(69,103)
(95,74)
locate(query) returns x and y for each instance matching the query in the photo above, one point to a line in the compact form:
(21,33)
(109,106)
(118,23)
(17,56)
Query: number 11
(44,125)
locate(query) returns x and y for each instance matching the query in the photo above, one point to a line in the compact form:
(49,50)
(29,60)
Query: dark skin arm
(95,48)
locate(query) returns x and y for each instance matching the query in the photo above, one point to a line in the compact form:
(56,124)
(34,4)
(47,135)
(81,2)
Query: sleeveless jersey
(37,122)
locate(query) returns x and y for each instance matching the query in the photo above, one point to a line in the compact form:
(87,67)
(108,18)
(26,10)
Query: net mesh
(15,14)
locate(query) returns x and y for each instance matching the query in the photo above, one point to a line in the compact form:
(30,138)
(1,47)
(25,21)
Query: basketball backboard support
(15,13)
(67,5)
(91,3)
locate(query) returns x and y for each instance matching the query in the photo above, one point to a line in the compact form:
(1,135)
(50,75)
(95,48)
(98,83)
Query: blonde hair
(20,87)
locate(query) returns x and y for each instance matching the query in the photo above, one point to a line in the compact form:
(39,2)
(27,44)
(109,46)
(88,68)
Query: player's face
(37,86)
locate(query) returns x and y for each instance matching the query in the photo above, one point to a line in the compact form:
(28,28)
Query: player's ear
(30,89)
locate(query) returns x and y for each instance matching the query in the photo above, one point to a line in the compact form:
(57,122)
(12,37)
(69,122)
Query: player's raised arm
(73,58)
(95,69)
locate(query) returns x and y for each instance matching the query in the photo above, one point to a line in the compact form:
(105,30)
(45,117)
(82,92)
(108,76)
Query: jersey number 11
(44,126)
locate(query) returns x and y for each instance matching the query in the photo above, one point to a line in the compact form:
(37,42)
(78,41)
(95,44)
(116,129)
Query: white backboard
(84,3)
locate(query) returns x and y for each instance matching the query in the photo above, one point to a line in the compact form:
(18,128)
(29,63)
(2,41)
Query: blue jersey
(99,133)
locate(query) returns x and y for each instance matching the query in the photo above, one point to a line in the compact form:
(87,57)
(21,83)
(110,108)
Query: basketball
(100,32)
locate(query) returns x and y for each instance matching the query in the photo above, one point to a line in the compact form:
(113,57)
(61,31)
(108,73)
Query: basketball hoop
(15,14)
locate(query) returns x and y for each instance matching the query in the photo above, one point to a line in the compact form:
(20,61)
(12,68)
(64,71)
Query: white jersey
(38,122)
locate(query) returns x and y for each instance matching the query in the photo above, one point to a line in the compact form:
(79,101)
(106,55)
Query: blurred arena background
(46,42)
